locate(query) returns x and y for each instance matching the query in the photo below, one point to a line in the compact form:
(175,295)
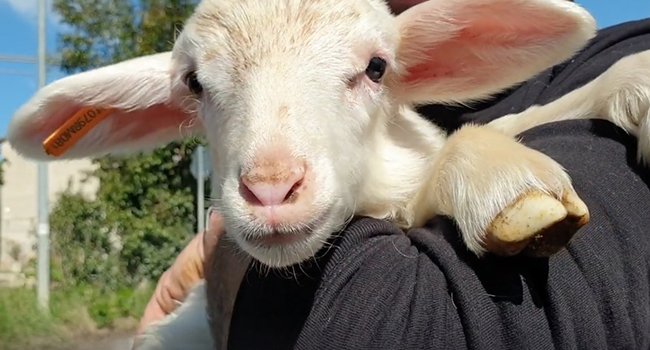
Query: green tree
(147,200)
(3,163)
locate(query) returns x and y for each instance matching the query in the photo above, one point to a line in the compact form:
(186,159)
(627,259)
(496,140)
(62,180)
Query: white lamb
(307,107)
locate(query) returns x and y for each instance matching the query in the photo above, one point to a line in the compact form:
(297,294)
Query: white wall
(18,198)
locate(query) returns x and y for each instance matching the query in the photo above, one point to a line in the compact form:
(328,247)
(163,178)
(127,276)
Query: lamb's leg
(620,95)
(505,197)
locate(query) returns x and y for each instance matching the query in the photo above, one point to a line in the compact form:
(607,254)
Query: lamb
(290,178)
(307,107)
(620,95)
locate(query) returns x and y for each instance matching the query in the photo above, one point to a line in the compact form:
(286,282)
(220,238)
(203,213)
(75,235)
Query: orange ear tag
(68,134)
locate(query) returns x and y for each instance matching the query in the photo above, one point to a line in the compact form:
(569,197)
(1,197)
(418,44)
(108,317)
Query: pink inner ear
(144,122)
(495,37)
(137,124)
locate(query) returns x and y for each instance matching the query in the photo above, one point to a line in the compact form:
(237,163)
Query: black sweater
(381,289)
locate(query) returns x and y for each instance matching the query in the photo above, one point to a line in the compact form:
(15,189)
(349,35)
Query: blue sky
(18,36)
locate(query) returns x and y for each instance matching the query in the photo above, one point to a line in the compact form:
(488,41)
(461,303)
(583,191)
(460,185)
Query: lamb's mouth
(282,236)
(279,239)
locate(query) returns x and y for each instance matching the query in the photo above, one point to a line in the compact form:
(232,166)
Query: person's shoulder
(385,289)
(372,287)
(376,245)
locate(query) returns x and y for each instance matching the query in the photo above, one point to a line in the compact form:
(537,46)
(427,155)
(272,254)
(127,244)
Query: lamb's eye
(376,69)
(192,83)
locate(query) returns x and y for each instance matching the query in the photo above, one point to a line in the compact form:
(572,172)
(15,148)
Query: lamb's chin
(286,244)
(280,250)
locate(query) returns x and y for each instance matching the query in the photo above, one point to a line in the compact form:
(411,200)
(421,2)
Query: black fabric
(380,289)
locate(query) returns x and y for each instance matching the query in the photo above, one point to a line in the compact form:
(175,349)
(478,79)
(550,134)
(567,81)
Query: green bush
(82,250)
(3,164)
(73,311)
(113,248)
(20,316)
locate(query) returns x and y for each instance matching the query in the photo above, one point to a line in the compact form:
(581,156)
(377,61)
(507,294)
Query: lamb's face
(289,93)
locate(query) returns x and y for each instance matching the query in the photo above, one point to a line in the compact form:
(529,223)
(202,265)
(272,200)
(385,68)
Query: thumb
(213,233)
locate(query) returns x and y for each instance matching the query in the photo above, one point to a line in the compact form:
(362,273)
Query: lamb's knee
(625,91)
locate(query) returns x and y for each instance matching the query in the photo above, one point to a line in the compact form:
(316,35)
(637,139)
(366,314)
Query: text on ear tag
(68,134)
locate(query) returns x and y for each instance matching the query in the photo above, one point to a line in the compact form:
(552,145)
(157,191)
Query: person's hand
(399,6)
(188,269)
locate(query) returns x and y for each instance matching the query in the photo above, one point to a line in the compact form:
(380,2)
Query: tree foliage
(3,164)
(147,200)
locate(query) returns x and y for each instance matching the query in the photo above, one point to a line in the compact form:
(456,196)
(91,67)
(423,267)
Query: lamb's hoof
(536,225)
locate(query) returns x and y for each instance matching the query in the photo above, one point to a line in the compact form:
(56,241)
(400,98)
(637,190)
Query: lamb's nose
(267,192)
(274,183)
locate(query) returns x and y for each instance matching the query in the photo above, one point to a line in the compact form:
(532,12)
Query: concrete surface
(112,343)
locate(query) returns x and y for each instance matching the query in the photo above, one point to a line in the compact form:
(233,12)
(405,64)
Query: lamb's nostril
(271,190)
(293,194)
(247,194)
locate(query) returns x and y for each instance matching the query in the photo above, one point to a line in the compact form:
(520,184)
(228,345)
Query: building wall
(18,199)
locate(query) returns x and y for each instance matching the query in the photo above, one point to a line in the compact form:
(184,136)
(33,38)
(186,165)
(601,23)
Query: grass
(73,311)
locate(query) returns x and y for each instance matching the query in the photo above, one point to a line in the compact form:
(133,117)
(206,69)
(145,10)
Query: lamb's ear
(143,92)
(462,50)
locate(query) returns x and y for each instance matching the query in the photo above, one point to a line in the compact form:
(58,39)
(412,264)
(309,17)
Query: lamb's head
(293,97)
(287,92)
